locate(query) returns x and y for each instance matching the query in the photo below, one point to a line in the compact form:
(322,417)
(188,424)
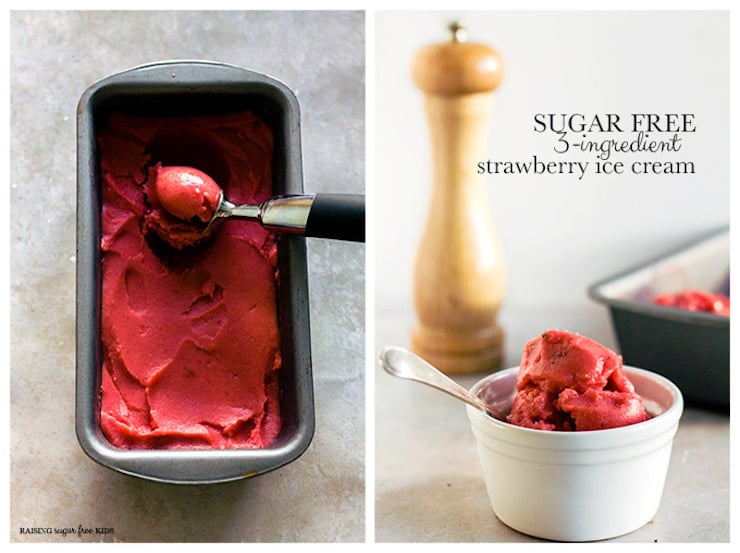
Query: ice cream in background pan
(696,300)
(190,335)
(569,382)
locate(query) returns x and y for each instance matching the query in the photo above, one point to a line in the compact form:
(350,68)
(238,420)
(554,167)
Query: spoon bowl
(402,363)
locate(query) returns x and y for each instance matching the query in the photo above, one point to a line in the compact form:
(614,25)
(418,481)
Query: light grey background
(571,232)
(55,56)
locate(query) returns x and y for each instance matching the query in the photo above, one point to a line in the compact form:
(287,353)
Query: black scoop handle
(337,216)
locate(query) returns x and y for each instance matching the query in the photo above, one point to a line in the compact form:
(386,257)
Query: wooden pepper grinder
(459,277)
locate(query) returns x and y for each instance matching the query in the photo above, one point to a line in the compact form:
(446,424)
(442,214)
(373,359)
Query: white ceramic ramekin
(577,486)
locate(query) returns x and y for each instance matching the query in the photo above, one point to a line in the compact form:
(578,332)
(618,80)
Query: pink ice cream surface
(569,382)
(190,338)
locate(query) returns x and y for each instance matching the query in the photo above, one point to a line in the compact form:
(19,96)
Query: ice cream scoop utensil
(190,194)
(402,363)
(338,216)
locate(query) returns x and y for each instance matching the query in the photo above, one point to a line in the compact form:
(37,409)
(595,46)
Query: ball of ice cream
(181,202)
(570,382)
(187,193)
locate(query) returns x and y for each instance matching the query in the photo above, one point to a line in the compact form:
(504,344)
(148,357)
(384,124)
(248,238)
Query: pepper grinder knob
(457,67)
(459,275)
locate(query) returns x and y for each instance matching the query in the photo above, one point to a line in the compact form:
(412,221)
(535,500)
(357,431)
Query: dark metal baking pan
(690,348)
(193,87)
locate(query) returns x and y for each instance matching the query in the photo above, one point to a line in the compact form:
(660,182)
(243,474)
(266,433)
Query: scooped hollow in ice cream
(569,382)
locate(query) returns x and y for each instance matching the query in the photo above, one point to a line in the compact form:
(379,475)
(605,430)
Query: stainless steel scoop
(405,364)
(337,216)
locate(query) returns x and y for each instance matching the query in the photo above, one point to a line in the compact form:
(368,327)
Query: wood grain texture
(460,275)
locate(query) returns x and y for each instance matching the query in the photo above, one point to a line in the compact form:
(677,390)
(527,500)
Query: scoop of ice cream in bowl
(583,451)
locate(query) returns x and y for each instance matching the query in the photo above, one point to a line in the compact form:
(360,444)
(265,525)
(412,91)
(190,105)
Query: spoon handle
(405,364)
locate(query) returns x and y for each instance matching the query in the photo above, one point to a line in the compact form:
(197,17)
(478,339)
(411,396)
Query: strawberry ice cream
(181,201)
(697,300)
(190,336)
(187,193)
(569,382)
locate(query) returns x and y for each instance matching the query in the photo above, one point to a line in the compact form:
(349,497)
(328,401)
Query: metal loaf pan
(184,88)
(690,348)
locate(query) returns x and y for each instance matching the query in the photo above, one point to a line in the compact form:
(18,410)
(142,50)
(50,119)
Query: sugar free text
(613,122)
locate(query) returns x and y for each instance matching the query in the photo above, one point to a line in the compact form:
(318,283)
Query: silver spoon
(402,363)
